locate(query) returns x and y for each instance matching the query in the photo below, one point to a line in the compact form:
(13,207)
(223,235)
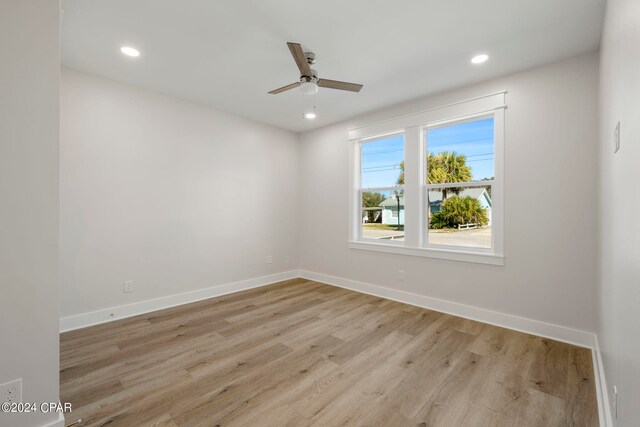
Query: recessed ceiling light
(479,59)
(130,51)
(310,115)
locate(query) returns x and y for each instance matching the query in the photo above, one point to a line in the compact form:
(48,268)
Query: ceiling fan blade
(284,88)
(301,60)
(335,84)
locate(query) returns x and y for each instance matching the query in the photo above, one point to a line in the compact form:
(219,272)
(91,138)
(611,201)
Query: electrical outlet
(12,391)
(269,259)
(287,259)
(615,402)
(128,286)
(401,275)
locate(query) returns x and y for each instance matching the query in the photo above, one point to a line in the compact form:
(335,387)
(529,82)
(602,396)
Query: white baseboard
(120,312)
(601,386)
(509,321)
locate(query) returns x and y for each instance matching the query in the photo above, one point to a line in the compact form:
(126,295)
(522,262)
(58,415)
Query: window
(459,172)
(446,163)
(381,192)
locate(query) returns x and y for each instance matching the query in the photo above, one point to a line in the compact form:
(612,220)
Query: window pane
(383,162)
(461,152)
(459,217)
(381,218)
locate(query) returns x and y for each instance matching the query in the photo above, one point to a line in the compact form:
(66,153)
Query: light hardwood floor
(304,353)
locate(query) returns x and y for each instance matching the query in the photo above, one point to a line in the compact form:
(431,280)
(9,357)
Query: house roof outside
(392,202)
(435,197)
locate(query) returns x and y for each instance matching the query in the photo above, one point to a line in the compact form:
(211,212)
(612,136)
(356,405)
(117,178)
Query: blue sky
(381,159)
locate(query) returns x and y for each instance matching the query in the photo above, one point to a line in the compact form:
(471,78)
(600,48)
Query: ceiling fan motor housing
(311,57)
(312,79)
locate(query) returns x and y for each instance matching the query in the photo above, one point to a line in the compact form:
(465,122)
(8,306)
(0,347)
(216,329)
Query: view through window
(381,190)
(459,176)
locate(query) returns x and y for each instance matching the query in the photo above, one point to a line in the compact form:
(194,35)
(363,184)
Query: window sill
(475,257)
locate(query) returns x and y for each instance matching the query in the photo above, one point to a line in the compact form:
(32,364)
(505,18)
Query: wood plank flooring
(302,353)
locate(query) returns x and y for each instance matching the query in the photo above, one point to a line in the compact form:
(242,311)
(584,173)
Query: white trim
(469,107)
(461,120)
(510,321)
(470,184)
(497,187)
(56,423)
(380,189)
(413,200)
(354,202)
(382,136)
(123,311)
(451,255)
(602,393)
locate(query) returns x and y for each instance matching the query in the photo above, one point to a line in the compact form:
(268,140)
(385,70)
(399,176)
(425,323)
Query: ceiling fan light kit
(309,83)
(309,88)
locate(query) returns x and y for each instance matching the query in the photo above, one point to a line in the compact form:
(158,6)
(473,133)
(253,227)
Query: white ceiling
(229,53)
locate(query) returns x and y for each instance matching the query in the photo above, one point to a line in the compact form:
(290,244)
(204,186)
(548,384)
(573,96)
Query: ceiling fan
(309,81)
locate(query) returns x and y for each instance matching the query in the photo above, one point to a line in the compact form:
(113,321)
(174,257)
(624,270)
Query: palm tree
(443,168)
(447,167)
(400,180)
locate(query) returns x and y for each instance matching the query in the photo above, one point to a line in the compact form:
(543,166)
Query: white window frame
(414,127)
(360,190)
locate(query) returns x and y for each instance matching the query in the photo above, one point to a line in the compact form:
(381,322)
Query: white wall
(619,288)
(29,47)
(169,194)
(550,203)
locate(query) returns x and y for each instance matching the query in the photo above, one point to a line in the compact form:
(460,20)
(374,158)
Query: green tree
(448,167)
(401,177)
(442,168)
(457,211)
(372,199)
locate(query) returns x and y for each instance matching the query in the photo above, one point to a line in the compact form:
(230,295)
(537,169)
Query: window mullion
(497,188)
(355,212)
(412,186)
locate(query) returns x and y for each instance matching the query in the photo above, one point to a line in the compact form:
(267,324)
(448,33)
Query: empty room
(342,213)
